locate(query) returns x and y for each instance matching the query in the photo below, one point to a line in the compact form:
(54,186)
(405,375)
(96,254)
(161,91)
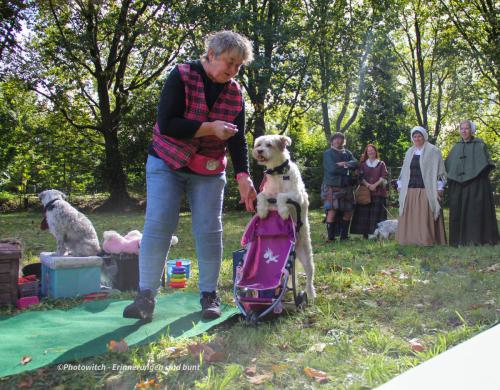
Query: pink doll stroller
(262,276)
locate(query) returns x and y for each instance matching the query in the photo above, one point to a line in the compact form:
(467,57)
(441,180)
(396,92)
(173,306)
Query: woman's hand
(223,130)
(247,192)
(440,194)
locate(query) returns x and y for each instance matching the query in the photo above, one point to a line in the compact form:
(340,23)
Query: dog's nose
(259,151)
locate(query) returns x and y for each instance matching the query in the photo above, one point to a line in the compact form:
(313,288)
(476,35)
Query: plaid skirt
(337,198)
(366,217)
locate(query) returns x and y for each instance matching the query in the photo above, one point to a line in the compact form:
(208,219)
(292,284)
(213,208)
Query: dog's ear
(284,141)
(62,194)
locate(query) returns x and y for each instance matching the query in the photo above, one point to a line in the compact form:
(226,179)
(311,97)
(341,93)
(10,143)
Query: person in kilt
(373,174)
(337,188)
(201,115)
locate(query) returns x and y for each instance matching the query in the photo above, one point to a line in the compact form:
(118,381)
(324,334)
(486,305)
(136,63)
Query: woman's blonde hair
(228,41)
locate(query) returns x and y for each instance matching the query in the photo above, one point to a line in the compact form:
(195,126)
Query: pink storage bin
(24,302)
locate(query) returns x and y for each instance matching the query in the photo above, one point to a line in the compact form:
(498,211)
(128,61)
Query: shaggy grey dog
(73,231)
(385,229)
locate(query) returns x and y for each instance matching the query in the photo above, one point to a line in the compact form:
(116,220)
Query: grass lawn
(373,298)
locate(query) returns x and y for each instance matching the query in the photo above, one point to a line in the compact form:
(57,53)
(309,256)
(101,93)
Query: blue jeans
(165,188)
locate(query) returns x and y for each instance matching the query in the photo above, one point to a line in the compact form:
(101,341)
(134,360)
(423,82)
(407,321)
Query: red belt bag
(207,165)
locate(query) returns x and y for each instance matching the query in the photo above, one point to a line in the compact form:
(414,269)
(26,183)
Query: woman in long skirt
(373,173)
(420,187)
(472,210)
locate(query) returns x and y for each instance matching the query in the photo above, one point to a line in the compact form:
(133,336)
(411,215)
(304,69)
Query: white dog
(385,229)
(283,182)
(73,231)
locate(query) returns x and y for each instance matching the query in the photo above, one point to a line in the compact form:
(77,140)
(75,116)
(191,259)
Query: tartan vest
(178,152)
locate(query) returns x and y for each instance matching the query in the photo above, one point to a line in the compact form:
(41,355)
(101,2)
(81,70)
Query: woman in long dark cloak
(472,209)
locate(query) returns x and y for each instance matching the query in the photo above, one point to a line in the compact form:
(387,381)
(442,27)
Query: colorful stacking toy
(178,277)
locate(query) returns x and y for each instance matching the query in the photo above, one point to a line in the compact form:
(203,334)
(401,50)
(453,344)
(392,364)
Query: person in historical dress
(420,185)
(337,188)
(472,210)
(373,174)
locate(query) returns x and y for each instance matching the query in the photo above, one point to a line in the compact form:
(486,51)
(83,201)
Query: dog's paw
(284,212)
(262,206)
(282,206)
(262,211)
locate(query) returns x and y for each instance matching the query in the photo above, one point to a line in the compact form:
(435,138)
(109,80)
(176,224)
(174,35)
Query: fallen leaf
(214,357)
(317,375)
(416,345)
(26,383)
(260,379)
(147,384)
(251,371)
(475,306)
(319,347)
(493,268)
(336,267)
(174,352)
(388,272)
(118,346)
(208,353)
(26,359)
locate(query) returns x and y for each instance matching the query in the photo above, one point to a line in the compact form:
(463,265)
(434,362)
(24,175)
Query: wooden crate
(10,256)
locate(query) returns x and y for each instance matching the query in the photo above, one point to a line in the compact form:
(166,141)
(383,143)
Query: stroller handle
(298,209)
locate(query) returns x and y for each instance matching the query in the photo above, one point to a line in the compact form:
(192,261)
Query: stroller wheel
(301,300)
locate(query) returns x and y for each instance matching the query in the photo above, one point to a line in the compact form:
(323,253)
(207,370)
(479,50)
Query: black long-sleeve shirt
(172,123)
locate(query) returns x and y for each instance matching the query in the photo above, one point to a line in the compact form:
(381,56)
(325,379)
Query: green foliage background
(319,67)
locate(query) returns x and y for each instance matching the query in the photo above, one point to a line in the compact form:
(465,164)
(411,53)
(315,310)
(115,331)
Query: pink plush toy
(115,243)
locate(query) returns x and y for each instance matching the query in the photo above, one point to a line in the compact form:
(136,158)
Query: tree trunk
(259,129)
(114,174)
(326,121)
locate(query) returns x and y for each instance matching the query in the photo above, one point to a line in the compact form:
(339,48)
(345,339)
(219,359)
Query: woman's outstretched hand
(247,192)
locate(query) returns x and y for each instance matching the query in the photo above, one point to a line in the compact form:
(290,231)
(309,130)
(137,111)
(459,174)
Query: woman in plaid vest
(201,114)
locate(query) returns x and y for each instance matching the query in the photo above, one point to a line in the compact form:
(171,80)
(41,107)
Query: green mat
(58,336)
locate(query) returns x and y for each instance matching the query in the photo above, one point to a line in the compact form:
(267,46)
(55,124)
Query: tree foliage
(370,69)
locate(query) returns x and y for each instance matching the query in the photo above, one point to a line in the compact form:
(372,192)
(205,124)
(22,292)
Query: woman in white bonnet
(420,188)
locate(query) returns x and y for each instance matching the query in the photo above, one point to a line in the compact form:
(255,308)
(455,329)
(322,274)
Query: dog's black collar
(279,170)
(49,206)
